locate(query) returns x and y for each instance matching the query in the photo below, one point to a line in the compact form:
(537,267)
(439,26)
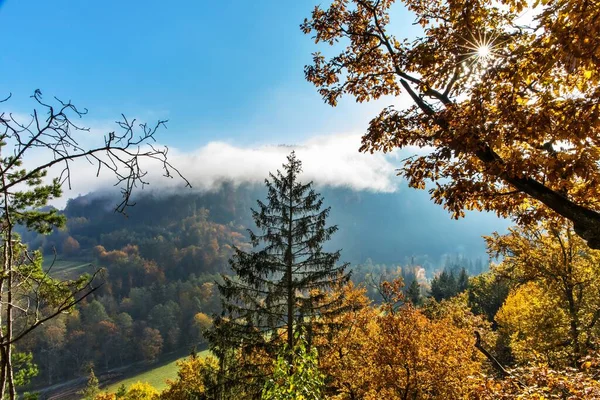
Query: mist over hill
(389,228)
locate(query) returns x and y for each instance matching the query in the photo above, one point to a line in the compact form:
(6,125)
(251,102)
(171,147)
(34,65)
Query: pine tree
(439,286)
(449,283)
(413,293)
(463,281)
(92,388)
(281,284)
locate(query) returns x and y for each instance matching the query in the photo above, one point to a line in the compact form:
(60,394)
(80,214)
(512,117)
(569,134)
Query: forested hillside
(403,227)
(161,261)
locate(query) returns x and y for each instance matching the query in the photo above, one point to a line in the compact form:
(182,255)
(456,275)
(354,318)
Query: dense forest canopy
(402,225)
(160,264)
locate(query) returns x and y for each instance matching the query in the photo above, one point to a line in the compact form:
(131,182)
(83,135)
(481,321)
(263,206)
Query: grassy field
(67,269)
(156,377)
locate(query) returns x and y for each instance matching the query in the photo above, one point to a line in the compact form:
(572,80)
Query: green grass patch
(65,269)
(156,376)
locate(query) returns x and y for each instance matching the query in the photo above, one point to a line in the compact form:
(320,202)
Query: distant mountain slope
(385,227)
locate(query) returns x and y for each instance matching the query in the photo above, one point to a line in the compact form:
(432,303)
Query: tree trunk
(3,371)
(289,262)
(574,327)
(9,374)
(586,221)
(8,273)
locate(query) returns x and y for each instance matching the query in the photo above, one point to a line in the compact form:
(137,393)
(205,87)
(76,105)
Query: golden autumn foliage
(105,396)
(136,391)
(387,353)
(202,320)
(535,324)
(552,313)
(196,377)
(538,383)
(506,109)
(141,391)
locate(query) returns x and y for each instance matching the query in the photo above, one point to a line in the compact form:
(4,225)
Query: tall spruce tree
(280,286)
(413,293)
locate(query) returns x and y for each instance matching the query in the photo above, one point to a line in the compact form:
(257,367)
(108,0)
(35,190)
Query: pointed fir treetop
(281,286)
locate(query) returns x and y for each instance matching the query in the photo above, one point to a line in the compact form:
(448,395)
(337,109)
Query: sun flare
(481,48)
(484,51)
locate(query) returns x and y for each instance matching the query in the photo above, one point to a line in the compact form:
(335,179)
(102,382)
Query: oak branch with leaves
(508,112)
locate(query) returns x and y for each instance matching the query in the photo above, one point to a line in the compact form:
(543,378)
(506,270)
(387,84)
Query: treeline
(158,287)
(91,221)
(449,280)
(160,265)
(534,315)
(106,332)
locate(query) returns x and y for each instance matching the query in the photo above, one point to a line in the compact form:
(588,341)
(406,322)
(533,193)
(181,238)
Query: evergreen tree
(463,281)
(440,286)
(281,284)
(413,293)
(449,283)
(92,388)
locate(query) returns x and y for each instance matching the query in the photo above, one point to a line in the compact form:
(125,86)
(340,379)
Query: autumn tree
(196,378)
(384,352)
(151,344)
(278,288)
(70,246)
(200,324)
(135,391)
(554,309)
(31,147)
(505,109)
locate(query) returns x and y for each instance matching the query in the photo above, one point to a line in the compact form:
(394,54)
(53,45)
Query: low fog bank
(329,161)
(390,228)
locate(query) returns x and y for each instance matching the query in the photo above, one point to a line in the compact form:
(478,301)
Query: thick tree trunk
(586,222)
(289,263)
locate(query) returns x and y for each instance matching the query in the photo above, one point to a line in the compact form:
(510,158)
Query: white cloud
(331,160)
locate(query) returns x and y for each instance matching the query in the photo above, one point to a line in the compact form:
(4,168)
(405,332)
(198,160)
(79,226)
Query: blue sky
(227,74)
(229,70)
